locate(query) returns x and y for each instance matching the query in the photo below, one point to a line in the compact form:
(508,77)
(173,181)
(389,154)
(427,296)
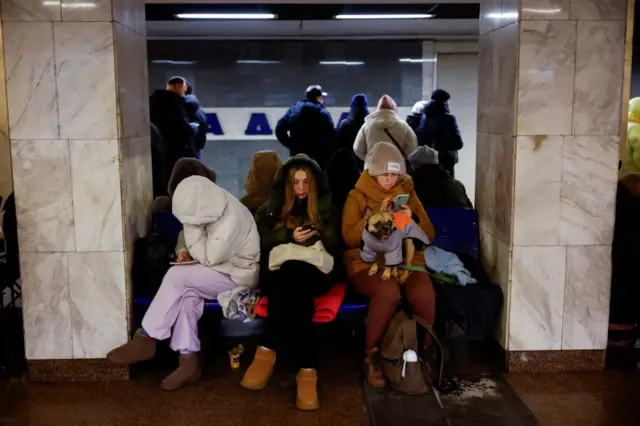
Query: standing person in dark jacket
(168,113)
(349,127)
(344,168)
(307,127)
(159,170)
(434,185)
(196,115)
(439,130)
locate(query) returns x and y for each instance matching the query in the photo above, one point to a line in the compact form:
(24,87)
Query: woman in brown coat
(379,185)
(260,179)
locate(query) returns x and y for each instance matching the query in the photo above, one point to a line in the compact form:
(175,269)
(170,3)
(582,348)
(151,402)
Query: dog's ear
(368,212)
(389,208)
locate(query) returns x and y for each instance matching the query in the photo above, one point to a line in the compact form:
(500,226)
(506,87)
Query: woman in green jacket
(299,212)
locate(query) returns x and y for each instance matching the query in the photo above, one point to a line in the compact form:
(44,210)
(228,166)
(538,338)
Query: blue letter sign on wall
(258,125)
(214,124)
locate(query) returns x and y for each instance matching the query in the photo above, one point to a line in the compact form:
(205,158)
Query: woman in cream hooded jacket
(384,125)
(220,250)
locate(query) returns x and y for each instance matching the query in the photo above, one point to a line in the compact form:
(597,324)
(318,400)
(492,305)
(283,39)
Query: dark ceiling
(166,12)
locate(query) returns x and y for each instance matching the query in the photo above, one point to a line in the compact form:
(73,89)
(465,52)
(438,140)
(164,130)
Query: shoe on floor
(188,371)
(140,348)
(372,373)
(260,370)
(307,393)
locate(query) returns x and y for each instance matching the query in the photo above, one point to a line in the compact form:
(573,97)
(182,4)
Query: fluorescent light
(386,16)
(239,16)
(541,11)
(256,61)
(416,60)
(170,62)
(341,63)
(80,5)
(507,15)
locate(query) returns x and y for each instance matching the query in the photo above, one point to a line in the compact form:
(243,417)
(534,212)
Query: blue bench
(456,230)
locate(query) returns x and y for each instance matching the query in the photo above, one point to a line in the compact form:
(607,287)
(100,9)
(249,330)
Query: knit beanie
(386,158)
(359,100)
(422,156)
(387,102)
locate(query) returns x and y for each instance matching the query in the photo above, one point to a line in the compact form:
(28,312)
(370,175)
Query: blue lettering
(258,125)
(213,124)
(343,116)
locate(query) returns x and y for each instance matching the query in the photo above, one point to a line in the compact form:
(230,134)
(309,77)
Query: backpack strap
(418,319)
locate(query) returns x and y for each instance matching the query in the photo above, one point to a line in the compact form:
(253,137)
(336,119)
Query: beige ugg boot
(307,394)
(260,370)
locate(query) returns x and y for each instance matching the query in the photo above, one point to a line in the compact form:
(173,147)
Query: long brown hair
(313,217)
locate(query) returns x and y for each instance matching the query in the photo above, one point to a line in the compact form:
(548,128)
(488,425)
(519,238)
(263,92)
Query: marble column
(428,69)
(76,78)
(549,104)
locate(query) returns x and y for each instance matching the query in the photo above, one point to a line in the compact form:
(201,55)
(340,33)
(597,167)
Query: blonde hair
(313,216)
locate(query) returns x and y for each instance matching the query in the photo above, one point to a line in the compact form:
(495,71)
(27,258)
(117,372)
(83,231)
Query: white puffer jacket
(373,131)
(219,231)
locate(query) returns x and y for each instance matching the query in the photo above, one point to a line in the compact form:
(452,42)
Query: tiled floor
(593,399)
(581,399)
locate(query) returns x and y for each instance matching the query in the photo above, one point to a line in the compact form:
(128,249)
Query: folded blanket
(315,255)
(442,261)
(327,306)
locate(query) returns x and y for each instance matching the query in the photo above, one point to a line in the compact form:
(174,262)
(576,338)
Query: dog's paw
(373,270)
(394,272)
(386,275)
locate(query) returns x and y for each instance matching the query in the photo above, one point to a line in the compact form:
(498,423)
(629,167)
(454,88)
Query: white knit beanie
(386,158)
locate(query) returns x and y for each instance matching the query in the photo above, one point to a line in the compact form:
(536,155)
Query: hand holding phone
(400,201)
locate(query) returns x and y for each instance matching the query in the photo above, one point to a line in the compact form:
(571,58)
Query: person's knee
(387,293)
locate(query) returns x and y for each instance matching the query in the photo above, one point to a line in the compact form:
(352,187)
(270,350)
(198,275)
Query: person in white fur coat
(384,125)
(220,247)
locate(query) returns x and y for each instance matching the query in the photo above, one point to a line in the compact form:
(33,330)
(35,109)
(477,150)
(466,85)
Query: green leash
(445,278)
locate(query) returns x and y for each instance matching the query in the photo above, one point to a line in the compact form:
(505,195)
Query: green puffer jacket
(268,216)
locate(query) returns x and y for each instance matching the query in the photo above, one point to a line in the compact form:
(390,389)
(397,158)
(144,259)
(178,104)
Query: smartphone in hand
(308,227)
(400,201)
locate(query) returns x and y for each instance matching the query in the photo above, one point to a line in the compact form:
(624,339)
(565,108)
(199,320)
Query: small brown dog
(380,235)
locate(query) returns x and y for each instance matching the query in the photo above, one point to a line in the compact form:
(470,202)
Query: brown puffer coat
(262,174)
(368,193)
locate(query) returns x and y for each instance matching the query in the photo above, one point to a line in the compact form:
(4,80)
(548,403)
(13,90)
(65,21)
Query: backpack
(399,359)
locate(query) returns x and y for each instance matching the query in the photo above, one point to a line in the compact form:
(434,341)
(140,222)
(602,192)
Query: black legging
(291,291)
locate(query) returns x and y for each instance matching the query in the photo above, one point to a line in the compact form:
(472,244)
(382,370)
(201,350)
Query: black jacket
(348,130)
(167,111)
(413,120)
(159,171)
(343,172)
(436,188)
(307,128)
(197,115)
(439,130)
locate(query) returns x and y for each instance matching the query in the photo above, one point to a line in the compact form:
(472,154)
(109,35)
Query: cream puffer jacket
(219,232)
(373,131)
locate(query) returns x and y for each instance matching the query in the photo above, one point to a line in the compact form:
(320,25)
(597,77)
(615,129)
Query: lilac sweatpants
(179,304)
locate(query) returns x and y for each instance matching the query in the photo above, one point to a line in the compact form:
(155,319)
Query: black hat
(440,95)
(314,91)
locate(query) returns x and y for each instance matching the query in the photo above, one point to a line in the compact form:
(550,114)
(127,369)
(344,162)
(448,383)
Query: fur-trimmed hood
(276,197)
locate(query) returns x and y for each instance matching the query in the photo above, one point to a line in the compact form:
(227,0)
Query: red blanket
(327,306)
